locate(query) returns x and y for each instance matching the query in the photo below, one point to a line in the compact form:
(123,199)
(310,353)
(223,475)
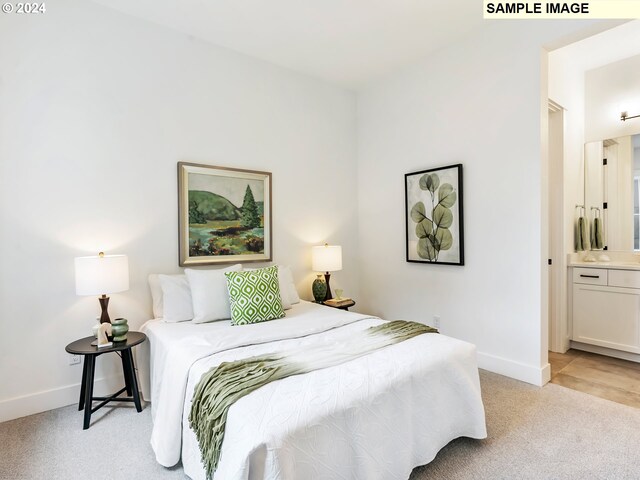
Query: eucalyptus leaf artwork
(433,200)
(433,227)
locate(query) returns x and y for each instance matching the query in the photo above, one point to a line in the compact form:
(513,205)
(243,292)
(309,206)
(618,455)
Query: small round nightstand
(90,353)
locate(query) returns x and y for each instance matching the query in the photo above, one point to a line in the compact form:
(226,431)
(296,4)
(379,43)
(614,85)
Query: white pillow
(282,283)
(156,295)
(176,298)
(287,277)
(209,295)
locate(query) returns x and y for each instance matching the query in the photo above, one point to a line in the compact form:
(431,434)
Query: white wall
(610,90)
(480,102)
(96,109)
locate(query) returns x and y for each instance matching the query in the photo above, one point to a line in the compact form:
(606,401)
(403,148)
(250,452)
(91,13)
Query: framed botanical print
(434,220)
(224,215)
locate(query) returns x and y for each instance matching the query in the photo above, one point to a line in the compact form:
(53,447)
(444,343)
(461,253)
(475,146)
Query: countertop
(612,265)
(618,260)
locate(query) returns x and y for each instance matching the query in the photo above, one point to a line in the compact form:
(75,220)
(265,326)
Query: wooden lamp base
(327,277)
(104,303)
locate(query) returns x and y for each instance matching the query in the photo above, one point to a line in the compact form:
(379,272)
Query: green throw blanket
(223,385)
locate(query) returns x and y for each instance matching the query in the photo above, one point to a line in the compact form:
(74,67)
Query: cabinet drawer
(624,278)
(590,276)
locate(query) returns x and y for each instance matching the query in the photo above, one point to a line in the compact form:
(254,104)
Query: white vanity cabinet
(606,308)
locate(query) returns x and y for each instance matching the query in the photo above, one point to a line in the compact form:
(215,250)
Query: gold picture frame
(224,215)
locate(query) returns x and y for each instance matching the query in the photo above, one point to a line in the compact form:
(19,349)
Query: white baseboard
(55,398)
(520,371)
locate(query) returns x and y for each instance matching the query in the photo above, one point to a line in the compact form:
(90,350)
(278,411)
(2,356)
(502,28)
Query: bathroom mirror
(611,190)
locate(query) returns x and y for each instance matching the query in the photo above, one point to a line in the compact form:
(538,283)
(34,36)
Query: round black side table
(90,353)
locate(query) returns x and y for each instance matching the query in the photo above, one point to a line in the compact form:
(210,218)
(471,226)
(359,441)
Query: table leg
(83,384)
(125,372)
(126,354)
(89,389)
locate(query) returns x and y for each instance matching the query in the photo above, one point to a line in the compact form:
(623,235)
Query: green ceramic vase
(119,329)
(319,289)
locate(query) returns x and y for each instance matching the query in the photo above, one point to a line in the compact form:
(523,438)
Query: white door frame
(557,273)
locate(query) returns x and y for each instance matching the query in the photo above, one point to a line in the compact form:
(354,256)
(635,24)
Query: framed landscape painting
(434,220)
(224,215)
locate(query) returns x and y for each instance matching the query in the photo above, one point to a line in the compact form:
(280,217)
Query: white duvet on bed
(376,417)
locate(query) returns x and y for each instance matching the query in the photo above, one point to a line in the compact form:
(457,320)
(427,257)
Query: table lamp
(326,258)
(102,275)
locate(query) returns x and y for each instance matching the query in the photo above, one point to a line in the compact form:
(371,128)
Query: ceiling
(608,46)
(347,42)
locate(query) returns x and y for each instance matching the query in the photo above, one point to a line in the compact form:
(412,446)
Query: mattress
(376,417)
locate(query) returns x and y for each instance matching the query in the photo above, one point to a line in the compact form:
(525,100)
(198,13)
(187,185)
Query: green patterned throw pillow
(254,296)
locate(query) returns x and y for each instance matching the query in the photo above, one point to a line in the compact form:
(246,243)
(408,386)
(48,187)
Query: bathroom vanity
(604,306)
(604,293)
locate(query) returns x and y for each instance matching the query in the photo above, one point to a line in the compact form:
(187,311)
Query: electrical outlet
(74,359)
(436,321)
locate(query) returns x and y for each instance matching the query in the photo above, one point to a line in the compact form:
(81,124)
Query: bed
(375,417)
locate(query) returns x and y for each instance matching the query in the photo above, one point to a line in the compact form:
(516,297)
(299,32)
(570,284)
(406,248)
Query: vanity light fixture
(624,116)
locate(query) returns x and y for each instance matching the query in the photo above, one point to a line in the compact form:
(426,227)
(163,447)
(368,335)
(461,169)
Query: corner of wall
(538,376)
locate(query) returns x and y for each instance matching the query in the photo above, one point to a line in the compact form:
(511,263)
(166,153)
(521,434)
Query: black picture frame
(441,197)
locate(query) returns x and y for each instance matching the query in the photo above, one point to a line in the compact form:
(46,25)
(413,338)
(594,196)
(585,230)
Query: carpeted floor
(543,433)
(534,433)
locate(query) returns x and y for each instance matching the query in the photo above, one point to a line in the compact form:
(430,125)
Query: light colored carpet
(543,433)
(534,433)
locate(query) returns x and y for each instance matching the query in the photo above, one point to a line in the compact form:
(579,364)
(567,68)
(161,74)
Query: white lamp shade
(326,258)
(101,275)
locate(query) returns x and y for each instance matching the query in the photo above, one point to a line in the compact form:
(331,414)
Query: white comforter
(376,417)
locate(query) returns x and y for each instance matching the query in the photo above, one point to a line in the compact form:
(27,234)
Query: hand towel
(597,242)
(581,236)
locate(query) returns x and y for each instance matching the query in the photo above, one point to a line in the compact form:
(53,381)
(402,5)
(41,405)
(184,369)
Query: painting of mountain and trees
(225,215)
